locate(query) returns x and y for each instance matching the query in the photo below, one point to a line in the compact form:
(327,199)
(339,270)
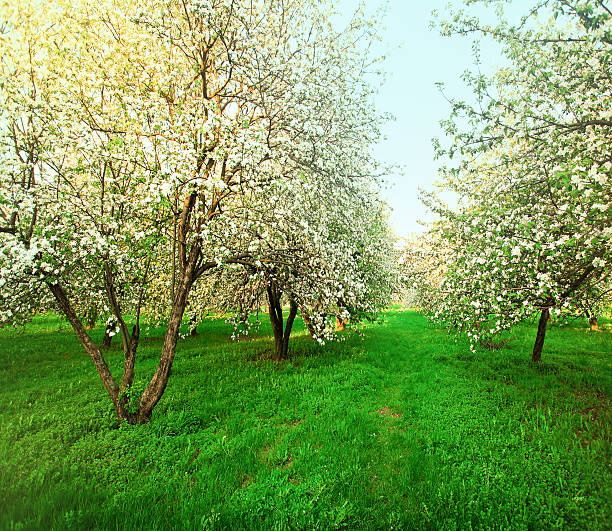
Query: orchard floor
(404,428)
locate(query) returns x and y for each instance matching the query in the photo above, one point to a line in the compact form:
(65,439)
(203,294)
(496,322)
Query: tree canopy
(532,229)
(149,145)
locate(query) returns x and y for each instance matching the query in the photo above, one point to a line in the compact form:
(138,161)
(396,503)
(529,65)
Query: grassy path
(404,429)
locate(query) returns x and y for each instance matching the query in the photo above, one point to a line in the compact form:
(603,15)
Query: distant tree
(422,263)
(337,259)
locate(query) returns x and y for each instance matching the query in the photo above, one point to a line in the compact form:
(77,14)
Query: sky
(419,58)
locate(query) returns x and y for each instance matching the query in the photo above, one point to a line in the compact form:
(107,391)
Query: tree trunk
(594,324)
(308,322)
(188,263)
(156,387)
(190,270)
(539,342)
(94,352)
(288,327)
(106,340)
(275,311)
(193,327)
(340,324)
(281,331)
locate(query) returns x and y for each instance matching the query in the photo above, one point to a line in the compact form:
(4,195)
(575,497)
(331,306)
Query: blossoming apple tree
(531,234)
(343,270)
(327,254)
(144,143)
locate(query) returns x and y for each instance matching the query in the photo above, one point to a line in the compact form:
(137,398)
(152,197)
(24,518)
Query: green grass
(403,428)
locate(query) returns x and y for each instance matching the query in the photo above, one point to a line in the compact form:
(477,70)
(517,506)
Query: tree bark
(594,324)
(94,352)
(188,264)
(156,387)
(281,331)
(288,327)
(536,355)
(190,268)
(193,327)
(106,340)
(112,295)
(275,311)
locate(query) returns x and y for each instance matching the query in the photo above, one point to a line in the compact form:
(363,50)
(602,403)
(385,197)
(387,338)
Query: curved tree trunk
(536,355)
(308,322)
(188,266)
(156,387)
(90,347)
(190,269)
(288,327)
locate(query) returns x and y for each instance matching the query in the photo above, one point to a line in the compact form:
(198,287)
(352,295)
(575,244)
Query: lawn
(402,428)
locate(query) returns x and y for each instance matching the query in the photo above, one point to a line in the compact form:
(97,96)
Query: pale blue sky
(411,95)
